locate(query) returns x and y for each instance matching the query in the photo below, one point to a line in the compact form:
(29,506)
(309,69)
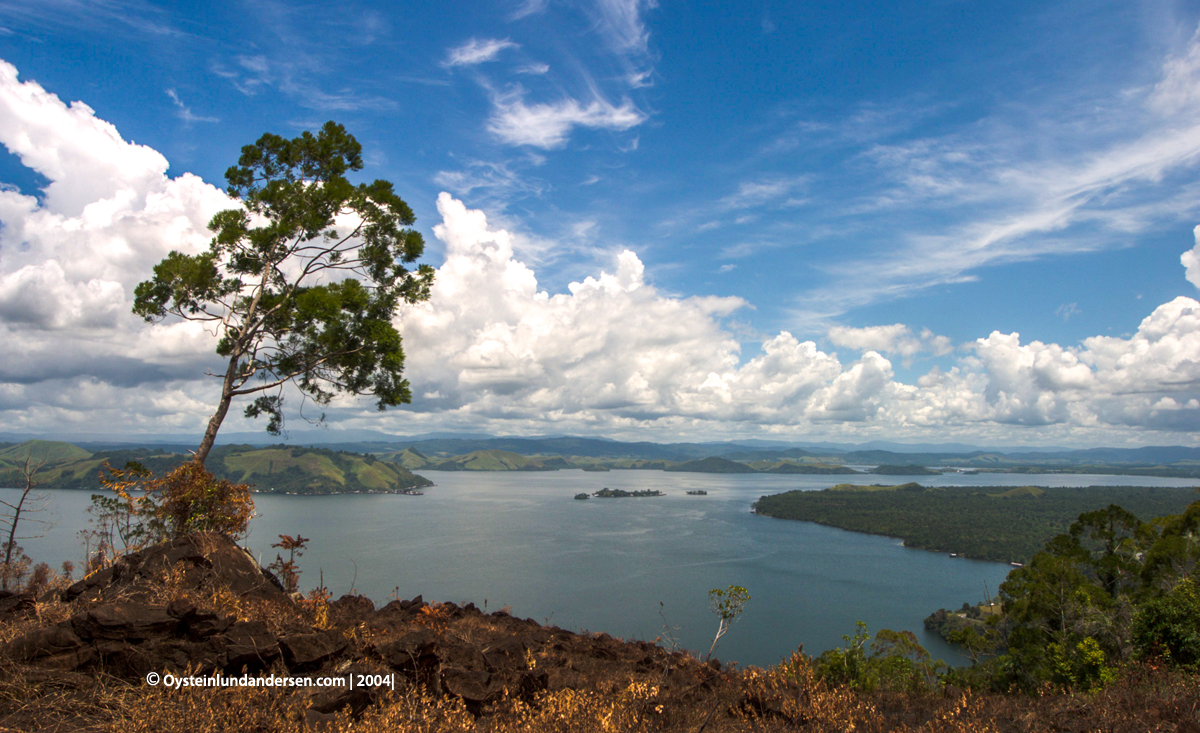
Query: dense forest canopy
(983,522)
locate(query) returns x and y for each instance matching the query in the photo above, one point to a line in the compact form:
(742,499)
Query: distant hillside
(38,451)
(806,468)
(890,470)
(285,469)
(496,460)
(278,469)
(712,464)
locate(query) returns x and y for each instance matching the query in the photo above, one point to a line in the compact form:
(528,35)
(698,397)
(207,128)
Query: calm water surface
(521,540)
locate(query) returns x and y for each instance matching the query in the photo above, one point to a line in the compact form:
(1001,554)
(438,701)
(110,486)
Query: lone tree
(301,282)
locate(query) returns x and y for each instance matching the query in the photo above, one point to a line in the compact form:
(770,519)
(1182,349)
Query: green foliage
(1169,625)
(1081,665)
(291,298)
(895,660)
(1093,599)
(973,521)
(727,605)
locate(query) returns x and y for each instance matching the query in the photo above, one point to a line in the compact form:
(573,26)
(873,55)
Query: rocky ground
(76,659)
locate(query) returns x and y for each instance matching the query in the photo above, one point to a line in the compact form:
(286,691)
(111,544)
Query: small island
(698,492)
(607,493)
(581,497)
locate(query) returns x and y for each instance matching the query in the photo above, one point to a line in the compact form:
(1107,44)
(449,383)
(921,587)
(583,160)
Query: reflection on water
(522,540)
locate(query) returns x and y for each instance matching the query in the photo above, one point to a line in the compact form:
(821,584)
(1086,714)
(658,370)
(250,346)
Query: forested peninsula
(278,469)
(999,523)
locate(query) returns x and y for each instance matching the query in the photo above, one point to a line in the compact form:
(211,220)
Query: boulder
(248,645)
(124,621)
(198,560)
(15,604)
(47,641)
(309,651)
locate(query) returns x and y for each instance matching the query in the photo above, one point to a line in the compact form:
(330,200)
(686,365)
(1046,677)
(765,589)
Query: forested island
(997,523)
(607,493)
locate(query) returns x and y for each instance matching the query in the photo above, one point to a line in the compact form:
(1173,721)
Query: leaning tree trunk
(218,417)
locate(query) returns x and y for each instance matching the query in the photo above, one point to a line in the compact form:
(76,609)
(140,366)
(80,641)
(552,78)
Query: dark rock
(44,642)
(198,624)
(309,651)
(250,645)
(470,685)
(508,652)
(199,560)
(15,604)
(462,656)
(410,649)
(124,621)
(352,608)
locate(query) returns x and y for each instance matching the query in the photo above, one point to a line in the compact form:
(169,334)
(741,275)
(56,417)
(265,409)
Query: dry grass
(788,698)
(596,685)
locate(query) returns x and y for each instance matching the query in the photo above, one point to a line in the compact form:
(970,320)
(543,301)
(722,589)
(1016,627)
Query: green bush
(1169,625)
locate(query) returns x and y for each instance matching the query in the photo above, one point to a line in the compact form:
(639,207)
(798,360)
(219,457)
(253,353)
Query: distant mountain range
(554,453)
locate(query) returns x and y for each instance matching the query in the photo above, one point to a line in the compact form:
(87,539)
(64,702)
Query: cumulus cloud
(894,339)
(69,261)
(494,350)
(1191,260)
(549,125)
(477,51)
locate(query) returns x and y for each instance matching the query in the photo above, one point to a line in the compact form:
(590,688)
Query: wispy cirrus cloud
(1060,186)
(477,51)
(548,126)
(184,112)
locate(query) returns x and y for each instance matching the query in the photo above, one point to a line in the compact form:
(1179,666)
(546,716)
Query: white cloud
(493,350)
(1179,89)
(762,191)
(894,339)
(184,112)
(1191,260)
(549,125)
(477,51)
(68,263)
(621,21)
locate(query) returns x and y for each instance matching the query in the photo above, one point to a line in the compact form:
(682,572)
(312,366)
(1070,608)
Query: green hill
(50,451)
(495,460)
(284,469)
(806,468)
(712,464)
(410,458)
(279,469)
(892,470)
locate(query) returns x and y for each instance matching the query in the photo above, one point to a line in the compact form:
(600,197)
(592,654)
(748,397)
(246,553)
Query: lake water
(521,540)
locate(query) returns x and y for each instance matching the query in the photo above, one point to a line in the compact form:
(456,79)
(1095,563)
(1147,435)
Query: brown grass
(597,685)
(788,698)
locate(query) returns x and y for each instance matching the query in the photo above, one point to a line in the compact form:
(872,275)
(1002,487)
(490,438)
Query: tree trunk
(12,529)
(218,417)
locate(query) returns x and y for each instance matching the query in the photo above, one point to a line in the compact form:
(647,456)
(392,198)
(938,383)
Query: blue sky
(899,188)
